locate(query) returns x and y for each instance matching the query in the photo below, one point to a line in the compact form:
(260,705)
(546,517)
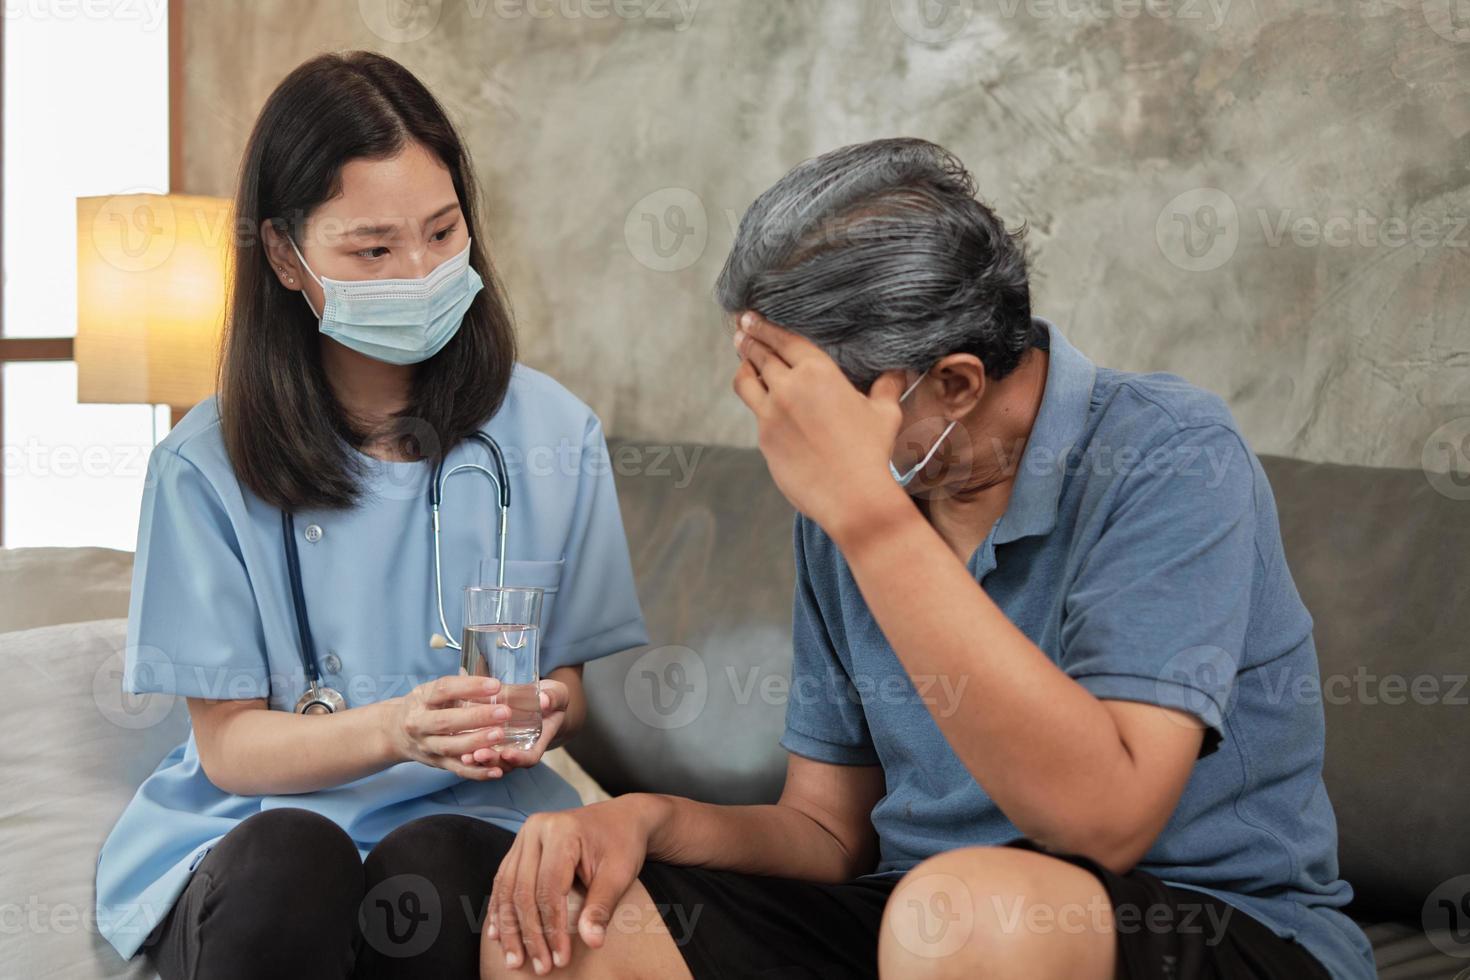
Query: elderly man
(1127,780)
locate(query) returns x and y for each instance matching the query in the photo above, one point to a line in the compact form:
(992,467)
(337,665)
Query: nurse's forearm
(252,751)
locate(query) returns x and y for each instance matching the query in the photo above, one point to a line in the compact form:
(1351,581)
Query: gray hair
(881,255)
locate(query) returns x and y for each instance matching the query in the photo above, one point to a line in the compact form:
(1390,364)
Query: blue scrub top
(211,616)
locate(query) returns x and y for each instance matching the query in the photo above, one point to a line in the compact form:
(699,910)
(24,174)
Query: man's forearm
(772,839)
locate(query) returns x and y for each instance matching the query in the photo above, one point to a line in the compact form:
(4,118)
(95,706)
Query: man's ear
(962,379)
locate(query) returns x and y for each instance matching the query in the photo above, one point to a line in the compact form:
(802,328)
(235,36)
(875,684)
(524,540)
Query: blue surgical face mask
(400,321)
(904,479)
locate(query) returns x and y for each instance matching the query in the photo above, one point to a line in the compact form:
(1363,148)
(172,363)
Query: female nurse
(367,337)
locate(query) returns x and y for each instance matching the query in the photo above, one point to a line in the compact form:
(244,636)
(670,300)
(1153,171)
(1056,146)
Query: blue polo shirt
(1140,551)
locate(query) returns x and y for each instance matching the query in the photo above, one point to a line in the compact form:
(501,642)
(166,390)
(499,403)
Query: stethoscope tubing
(298,599)
(436,496)
(318,695)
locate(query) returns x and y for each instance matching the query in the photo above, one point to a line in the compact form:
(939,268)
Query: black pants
(284,894)
(830,930)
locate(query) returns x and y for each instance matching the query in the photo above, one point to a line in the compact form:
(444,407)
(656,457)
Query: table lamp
(152,276)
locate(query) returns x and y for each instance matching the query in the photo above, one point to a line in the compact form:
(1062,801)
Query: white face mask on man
(904,479)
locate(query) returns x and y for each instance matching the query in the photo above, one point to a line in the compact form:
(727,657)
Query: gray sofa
(1376,553)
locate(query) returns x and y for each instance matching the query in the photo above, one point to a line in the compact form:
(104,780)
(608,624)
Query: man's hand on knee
(529,916)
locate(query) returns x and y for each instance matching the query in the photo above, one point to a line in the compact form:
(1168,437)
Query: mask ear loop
(910,389)
(935,448)
(314,278)
(904,479)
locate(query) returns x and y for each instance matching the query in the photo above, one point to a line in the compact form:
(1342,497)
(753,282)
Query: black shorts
(729,925)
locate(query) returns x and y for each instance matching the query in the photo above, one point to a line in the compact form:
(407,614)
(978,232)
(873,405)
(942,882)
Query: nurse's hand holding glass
(554,700)
(493,714)
(452,723)
(504,716)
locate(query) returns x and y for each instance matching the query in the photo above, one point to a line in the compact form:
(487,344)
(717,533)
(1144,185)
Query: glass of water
(502,639)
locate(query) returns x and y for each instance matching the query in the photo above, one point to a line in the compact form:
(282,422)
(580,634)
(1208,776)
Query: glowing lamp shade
(152,275)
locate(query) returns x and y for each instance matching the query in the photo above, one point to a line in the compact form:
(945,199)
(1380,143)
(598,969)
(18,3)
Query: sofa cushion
(697,712)
(41,586)
(1383,563)
(76,749)
(1403,951)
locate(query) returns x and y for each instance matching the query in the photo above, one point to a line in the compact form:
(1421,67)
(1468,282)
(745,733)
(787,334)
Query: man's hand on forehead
(827,444)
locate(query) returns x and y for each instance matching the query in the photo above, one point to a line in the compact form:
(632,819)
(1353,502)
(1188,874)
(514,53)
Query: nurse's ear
(281,256)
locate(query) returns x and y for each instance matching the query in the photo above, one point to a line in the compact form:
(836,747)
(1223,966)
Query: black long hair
(287,436)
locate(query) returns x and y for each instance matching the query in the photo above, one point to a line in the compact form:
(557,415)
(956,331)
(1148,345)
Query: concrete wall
(1268,197)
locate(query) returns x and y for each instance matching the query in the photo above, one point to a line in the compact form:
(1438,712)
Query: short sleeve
(1161,607)
(824,713)
(193,626)
(597,611)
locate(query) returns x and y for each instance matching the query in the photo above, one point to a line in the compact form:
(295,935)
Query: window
(85,112)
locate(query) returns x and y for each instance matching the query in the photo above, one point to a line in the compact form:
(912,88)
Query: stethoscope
(322,699)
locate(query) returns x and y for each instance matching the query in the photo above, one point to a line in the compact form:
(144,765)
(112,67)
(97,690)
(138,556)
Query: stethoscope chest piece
(319,700)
